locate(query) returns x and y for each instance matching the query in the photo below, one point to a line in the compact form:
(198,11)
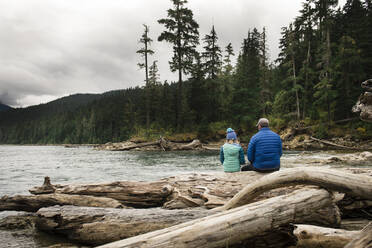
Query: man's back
(265,150)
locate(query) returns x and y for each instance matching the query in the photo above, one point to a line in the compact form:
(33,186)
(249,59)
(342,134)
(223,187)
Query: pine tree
(182,33)
(212,55)
(245,103)
(228,68)
(324,91)
(145,51)
(264,80)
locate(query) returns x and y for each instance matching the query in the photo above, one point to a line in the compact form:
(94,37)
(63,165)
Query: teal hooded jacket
(231,157)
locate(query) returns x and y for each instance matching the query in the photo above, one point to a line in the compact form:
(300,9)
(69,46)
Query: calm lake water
(23,167)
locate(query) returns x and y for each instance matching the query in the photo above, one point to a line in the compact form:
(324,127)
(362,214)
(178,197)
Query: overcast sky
(54,48)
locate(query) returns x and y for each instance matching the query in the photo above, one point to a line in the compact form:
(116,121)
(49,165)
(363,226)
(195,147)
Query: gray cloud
(53,48)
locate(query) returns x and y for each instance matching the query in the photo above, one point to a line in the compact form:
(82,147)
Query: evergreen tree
(228,68)
(245,102)
(264,78)
(182,33)
(212,55)
(145,51)
(324,92)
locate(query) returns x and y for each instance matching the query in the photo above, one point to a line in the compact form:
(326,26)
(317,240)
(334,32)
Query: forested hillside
(4,107)
(325,54)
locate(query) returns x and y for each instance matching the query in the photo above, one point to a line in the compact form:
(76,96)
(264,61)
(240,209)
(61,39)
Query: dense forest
(325,53)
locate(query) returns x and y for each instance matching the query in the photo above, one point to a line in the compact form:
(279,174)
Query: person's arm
(251,150)
(222,157)
(241,156)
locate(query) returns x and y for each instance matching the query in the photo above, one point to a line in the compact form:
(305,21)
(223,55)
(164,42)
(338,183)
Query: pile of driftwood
(160,144)
(244,209)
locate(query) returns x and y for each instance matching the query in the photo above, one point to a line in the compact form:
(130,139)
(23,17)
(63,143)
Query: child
(231,153)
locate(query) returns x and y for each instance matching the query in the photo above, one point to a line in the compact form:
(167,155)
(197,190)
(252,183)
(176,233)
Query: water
(23,167)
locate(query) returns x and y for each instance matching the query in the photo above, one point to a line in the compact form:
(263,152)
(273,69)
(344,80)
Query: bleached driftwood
(211,190)
(95,226)
(354,185)
(363,239)
(316,236)
(134,194)
(162,144)
(253,224)
(32,203)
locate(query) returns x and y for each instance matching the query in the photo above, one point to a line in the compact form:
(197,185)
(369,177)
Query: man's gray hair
(263,122)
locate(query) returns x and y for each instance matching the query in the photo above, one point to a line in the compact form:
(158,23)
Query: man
(264,149)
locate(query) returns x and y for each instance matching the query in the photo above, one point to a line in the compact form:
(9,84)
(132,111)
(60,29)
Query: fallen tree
(95,226)
(260,224)
(351,184)
(32,203)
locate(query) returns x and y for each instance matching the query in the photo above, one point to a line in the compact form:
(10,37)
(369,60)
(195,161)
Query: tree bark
(363,239)
(353,185)
(240,225)
(133,194)
(32,203)
(95,226)
(315,236)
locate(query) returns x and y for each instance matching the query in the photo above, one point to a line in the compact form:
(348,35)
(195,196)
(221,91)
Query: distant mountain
(64,104)
(4,107)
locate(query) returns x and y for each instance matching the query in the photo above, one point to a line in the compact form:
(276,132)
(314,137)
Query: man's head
(262,122)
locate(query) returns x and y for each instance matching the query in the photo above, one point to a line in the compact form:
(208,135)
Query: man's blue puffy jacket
(265,149)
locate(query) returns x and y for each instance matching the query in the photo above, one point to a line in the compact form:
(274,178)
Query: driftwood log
(134,194)
(196,190)
(253,224)
(32,203)
(95,226)
(363,239)
(334,144)
(161,144)
(315,236)
(353,185)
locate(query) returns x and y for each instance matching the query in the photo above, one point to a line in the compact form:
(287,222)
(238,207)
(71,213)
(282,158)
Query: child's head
(230,134)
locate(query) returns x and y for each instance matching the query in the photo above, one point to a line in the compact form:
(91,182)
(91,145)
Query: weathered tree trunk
(363,239)
(353,185)
(134,194)
(240,225)
(32,203)
(102,225)
(95,226)
(315,236)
